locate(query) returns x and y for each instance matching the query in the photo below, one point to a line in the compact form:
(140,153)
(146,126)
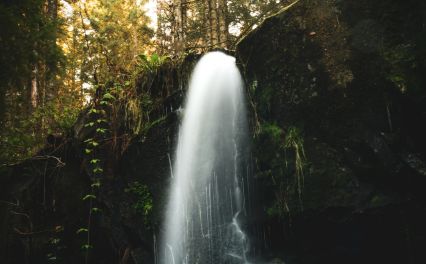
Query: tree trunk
(34,88)
(207,23)
(52,9)
(213,22)
(179,11)
(223,25)
(160,31)
(173,26)
(183,10)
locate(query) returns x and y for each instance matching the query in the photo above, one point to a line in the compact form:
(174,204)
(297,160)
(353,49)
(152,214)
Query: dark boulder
(336,90)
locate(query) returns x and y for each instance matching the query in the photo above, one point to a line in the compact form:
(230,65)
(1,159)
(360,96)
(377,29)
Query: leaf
(97,170)
(94,143)
(87,151)
(104,102)
(89,196)
(93,111)
(101,130)
(88,140)
(96,184)
(96,210)
(89,124)
(94,161)
(142,57)
(154,58)
(108,96)
(55,241)
(81,230)
(86,247)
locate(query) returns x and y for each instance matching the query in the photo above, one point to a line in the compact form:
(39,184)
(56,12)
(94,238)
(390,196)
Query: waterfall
(206,199)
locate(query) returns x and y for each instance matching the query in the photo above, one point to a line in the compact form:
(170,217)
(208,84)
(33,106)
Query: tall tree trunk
(173,26)
(160,30)
(2,105)
(179,14)
(178,41)
(183,16)
(223,25)
(207,23)
(214,23)
(52,9)
(34,88)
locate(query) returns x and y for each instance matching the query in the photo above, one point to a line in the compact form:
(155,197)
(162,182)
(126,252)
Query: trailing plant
(294,141)
(286,179)
(99,123)
(128,109)
(55,246)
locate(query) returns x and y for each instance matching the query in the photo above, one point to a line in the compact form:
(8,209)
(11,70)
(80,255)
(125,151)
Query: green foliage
(152,124)
(96,184)
(101,130)
(21,138)
(82,230)
(97,170)
(143,203)
(118,32)
(28,36)
(96,210)
(88,151)
(402,62)
(283,163)
(150,63)
(88,196)
(108,96)
(133,114)
(86,247)
(294,141)
(274,132)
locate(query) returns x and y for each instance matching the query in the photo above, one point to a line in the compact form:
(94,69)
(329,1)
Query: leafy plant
(150,63)
(143,203)
(274,131)
(92,144)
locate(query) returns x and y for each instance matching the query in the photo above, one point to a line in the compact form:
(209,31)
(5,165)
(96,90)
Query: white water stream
(206,201)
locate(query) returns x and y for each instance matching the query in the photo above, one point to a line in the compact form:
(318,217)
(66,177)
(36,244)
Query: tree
(185,25)
(30,61)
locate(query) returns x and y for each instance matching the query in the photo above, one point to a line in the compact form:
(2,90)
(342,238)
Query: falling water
(206,202)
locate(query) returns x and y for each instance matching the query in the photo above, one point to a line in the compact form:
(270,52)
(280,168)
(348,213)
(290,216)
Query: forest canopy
(55,54)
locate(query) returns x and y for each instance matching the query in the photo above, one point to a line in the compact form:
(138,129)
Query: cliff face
(337,108)
(338,113)
(44,203)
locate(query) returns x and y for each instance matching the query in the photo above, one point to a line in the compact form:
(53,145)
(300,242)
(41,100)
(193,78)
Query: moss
(380,200)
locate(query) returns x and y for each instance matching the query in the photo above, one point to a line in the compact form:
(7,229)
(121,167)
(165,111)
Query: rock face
(338,108)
